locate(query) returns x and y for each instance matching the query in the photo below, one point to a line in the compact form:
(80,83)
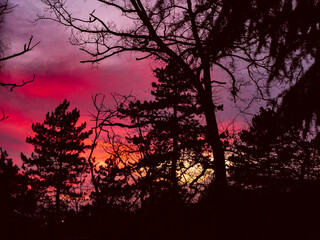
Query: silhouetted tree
(271,38)
(165,154)
(16,196)
(9,182)
(272,156)
(116,178)
(170,135)
(109,179)
(299,106)
(18,204)
(97,130)
(56,162)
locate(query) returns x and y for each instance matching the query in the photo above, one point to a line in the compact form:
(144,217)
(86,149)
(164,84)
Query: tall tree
(177,125)
(166,151)
(171,134)
(56,161)
(271,38)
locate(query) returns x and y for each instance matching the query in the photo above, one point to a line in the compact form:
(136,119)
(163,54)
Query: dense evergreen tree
(16,195)
(270,155)
(56,163)
(9,180)
(167,153)
(18,203)
(174,139)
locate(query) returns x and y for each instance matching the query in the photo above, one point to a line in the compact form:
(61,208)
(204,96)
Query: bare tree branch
(3,116)
(27,48)
(15,85)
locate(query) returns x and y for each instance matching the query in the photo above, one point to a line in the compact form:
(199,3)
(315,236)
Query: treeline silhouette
(156,179)
(169,172)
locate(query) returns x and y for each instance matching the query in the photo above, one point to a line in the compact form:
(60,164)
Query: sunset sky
(60,75)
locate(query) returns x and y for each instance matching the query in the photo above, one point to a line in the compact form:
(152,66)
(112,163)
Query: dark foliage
(271,156)
(167,156)
(16,195)
(17,200)
(56,163)
(173,140)
(300,106)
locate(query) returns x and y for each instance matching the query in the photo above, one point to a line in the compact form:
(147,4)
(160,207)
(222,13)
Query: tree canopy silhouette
(15,195)
(166,149)
(271,156)
(270,38)
(56,162)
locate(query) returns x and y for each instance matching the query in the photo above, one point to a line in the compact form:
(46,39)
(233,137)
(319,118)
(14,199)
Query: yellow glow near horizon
(186,174)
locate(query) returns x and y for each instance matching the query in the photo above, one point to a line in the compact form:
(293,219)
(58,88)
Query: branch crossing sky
(59,74)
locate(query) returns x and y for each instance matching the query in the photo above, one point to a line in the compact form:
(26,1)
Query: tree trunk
(93,179)
(58,203)
(217,191)
(175,156)
(220,180)
(58,193)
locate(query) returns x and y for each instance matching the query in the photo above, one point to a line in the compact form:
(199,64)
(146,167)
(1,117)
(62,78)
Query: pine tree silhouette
(56,161)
